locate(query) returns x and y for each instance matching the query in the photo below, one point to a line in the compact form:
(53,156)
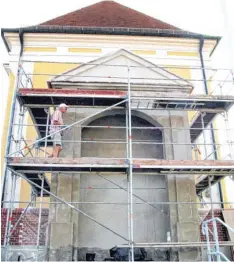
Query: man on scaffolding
(55,126)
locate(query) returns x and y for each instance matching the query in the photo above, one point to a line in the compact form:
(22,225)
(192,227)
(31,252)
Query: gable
(113,69)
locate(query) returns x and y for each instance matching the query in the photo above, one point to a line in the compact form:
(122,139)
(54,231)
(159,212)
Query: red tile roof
(108,14)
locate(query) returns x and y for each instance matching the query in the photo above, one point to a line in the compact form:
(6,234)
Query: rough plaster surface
(150,224)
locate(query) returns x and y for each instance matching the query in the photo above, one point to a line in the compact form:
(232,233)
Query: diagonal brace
(69,126)
(136,196)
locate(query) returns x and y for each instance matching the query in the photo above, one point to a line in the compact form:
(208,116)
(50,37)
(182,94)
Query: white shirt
(56,116)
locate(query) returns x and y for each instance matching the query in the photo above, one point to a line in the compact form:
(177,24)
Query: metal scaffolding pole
(39,218)
(130,178)
(137,127)
(20,128)
(47,128)
(203,133)
(117,203)
(9,217)
(141,66)
(212,215)
(128,188)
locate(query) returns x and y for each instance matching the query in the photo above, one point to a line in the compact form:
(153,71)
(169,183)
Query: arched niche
(147,141)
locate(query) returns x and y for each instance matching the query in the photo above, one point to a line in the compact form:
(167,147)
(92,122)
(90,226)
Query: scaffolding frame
(192,105)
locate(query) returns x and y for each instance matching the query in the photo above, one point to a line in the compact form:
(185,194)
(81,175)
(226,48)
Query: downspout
(13,107)
(201,43)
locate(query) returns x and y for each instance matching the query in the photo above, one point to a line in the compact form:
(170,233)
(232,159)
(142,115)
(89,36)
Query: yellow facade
(84,50)
(7,117)
(179,53)
(44,71)
(40,49)
(144,52)
(184,73)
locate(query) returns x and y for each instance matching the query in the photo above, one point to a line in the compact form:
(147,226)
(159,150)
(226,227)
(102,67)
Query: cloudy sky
(201,16)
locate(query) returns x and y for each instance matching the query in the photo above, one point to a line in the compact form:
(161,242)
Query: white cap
(62,105)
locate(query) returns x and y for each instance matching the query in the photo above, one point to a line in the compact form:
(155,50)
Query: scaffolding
(27,159)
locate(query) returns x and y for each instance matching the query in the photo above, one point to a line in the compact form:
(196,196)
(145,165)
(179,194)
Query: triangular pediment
(116,68)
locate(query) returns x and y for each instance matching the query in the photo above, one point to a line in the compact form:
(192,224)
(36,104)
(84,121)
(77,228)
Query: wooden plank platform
(72,97)
(103,97)
(37,99)
(154,166)
(178,245)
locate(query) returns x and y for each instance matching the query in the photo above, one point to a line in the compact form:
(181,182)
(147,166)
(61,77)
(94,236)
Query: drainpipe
(201,43)
(13,107)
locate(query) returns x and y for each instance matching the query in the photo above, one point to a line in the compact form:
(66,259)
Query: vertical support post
(216,239)
(208,242)
(9,216)
(20,129)
(39,218)
(171,132)
(130,164)
(203,133)
(8,212)
(47,128)
(128,188)
(211,201)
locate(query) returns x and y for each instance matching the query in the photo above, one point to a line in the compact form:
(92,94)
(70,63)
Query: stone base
(25,253)
(61,254)
(79,254)
(190,255)
(61,240)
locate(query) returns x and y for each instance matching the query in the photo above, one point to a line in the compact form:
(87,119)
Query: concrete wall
(150,224)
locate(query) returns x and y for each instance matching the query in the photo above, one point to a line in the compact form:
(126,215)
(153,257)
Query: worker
(55,126)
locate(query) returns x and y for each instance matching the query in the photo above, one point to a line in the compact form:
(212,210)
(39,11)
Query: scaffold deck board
(153,166)
(38,98)
(88,97)
(178,245)
(72,97)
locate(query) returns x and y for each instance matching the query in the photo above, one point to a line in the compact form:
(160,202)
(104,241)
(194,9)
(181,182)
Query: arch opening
(111,142)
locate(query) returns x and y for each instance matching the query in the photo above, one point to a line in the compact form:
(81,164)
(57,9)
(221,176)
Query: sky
(201,16)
